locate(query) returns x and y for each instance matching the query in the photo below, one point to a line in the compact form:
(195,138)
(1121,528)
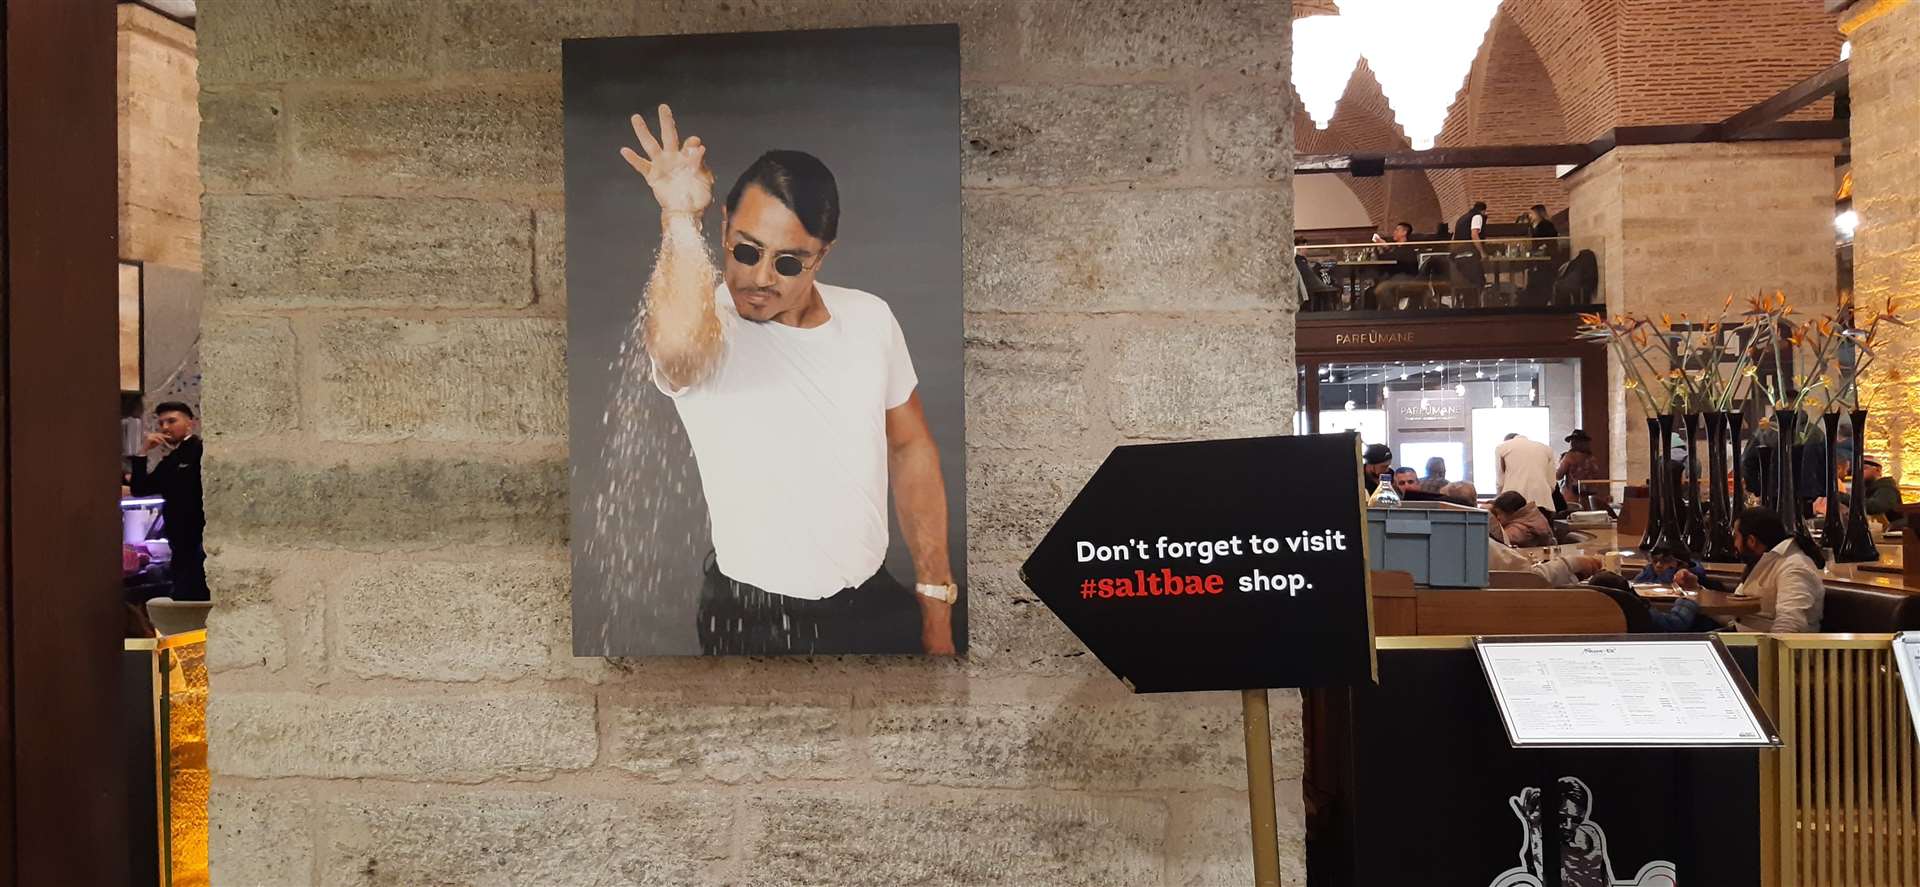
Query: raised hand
(677,171)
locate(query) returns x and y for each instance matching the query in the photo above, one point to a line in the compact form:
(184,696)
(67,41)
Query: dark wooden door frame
(63,785)
(1437,337)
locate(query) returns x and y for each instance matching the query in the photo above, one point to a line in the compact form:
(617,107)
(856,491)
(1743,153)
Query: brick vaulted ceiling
(1569,70)
(1363,122)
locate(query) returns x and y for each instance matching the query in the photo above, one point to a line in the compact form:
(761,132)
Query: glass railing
(1540,273)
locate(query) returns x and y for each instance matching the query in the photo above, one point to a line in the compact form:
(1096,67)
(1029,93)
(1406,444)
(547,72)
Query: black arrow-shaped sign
(1217,565)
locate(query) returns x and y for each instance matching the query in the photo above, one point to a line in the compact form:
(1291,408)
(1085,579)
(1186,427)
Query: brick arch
(1575,43)
(1509,99)
(1363,122)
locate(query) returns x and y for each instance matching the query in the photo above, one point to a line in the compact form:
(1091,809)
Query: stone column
(1885,84)
(394,685)
(1678,228)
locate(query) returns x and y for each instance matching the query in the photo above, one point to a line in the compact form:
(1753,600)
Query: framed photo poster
(764,343)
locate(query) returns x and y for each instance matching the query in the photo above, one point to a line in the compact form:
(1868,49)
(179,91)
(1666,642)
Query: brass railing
(1841,798)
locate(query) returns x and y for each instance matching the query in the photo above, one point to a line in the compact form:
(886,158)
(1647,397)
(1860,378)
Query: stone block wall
(1678,228)
(394,700)
(1885,82)
(159,132)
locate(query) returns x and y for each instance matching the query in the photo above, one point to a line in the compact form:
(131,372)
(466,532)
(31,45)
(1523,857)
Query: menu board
(1906,654)
(1610,691)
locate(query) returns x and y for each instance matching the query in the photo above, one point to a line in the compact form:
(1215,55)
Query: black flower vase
(1856,542)
(1719,545)
(1785,502)
(1694,530)
(1656,488)
(1734,420)
(1830,528)
(1675,525)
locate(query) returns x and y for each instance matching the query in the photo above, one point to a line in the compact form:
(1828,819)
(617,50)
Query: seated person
(1566,571)
(1402,286)
(1783,571)
(1461,493)
(1407,484)
(1666,562)
(1517,522)
(1883,495)
(1436,475)
(1314,293)
(1683,616)
(1376,461)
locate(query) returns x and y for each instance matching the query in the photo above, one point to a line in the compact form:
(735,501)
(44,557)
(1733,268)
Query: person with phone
(168,466)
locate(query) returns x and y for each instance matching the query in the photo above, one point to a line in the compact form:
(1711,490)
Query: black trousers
(188,569)
(877,616)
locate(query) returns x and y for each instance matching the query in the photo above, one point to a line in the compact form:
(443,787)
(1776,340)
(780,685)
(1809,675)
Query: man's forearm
(920,497)
(683,331)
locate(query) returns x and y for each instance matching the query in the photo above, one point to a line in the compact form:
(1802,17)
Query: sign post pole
(1266,827)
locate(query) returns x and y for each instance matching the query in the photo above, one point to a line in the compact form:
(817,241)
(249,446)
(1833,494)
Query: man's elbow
(907,446)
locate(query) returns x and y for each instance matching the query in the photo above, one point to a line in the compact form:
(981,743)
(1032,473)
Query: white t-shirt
(789,431)
(1528,467)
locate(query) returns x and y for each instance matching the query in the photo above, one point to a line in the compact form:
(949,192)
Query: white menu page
(1906,653)
(1608,692)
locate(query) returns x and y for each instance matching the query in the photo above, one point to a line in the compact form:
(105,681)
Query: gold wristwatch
(948,592)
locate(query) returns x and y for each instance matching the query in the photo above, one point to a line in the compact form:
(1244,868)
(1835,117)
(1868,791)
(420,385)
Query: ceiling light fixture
(1846,222)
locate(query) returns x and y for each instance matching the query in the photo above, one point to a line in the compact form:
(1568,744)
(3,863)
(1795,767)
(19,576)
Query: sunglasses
(786,264)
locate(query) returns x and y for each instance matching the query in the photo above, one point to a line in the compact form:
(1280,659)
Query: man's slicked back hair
(801,182)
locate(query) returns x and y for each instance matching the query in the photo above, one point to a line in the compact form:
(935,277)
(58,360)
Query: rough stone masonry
(394,699)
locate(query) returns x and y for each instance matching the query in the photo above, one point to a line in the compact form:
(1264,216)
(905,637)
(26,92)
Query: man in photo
(799,399)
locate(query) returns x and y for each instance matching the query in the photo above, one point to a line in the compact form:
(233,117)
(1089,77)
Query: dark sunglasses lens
(749,255)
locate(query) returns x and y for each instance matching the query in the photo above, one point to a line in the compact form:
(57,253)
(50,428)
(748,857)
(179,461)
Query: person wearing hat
(1882,494)
(1378,461)
(1579,464)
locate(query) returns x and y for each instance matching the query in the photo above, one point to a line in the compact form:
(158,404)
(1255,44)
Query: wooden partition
(1516,579)
(1842,797)
(1400,609)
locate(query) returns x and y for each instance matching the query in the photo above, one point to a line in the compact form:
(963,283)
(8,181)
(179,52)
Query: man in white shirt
(1526,467)
(1782,571)
(799,399)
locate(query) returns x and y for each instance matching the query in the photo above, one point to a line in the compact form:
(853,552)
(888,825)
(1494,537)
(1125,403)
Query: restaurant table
(1353,274)
(1885,573)
(1514,265)
(1712,603)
